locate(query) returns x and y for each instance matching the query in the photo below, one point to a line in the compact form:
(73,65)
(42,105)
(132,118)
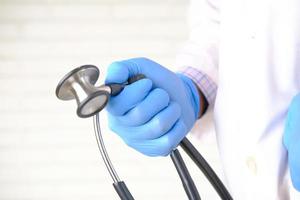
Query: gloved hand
(291,140)
(154,114)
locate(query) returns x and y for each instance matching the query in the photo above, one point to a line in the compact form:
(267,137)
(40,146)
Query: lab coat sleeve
(198,59)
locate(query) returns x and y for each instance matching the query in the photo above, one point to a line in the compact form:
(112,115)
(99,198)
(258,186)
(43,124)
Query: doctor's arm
(291,140)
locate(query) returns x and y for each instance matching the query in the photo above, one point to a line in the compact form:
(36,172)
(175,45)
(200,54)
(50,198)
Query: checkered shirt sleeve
(207,86)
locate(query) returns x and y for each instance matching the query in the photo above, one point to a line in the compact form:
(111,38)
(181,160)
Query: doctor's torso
(259,73)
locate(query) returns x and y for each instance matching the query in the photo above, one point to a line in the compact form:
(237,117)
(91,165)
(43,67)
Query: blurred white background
(46,151)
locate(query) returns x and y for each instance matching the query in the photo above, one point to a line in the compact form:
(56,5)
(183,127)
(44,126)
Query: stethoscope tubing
(206,169)
(184,175)
(186,179)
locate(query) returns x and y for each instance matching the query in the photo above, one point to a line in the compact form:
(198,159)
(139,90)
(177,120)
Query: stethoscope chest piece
(78,84)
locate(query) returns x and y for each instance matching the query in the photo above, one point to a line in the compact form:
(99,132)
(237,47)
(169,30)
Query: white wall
(46,151)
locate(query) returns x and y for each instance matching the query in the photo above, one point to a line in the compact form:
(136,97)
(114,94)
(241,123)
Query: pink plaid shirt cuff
(207,86)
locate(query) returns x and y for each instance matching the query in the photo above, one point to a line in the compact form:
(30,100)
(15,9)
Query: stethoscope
(79,83)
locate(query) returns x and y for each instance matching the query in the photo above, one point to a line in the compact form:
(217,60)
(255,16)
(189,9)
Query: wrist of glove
(291,140)
(154,114)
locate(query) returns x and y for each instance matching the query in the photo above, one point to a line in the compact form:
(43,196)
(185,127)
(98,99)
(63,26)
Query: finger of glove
(292,125)
(156,100)
(161,146)
(294,164)
(120,71)
(155,128)
(130,96)
(294,112)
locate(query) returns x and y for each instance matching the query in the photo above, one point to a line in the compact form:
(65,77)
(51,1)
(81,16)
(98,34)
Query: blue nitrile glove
(291,140)
(151,115)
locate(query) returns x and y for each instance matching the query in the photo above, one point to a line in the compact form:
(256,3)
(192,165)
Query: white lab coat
(251,48)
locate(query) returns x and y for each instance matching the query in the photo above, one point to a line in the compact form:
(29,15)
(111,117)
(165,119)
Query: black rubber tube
(116,88)
(212,177)
(185,177)
(122,191)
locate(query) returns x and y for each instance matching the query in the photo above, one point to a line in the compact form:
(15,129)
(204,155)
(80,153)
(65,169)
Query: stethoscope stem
(103,151)
(119,185)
